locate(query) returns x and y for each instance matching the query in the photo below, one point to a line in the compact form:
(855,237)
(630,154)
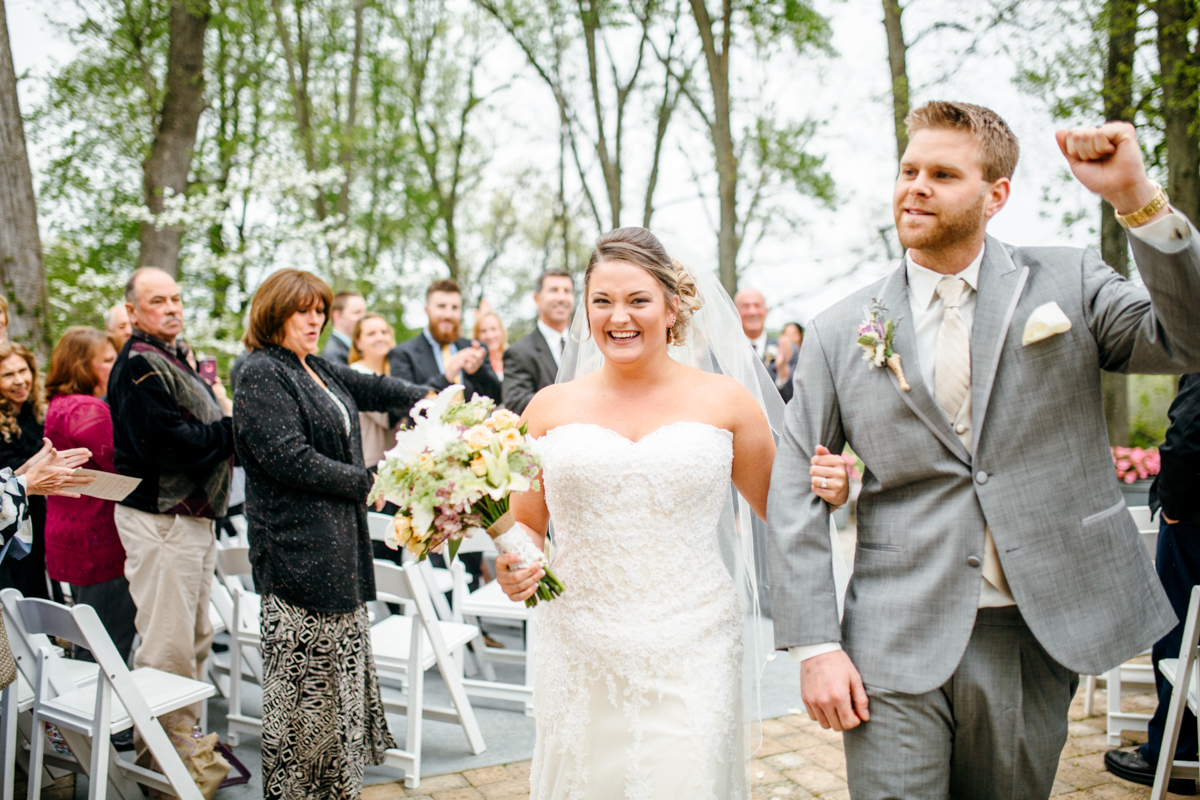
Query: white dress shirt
(1169,234)
(556,340)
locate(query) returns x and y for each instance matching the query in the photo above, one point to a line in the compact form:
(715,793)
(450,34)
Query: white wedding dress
(637,690)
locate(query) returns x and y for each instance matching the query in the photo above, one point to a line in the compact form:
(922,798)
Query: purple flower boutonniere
(875,337)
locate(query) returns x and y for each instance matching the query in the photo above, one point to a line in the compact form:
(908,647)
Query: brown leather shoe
(490,642)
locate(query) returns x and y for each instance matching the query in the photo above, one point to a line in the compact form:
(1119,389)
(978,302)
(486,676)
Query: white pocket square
(1046,320)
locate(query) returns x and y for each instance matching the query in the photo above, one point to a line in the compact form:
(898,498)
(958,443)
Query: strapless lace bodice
(650,608)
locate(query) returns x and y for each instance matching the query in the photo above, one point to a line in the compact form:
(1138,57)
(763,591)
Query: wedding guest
(752,307)
(83,547)
(1175,497)
(490,331)
(532,363)
(348,309)
(116,322)
(299,438)
(3,319)
(173,433)
(440,355)
(373,340)
(792,332)
(22,416)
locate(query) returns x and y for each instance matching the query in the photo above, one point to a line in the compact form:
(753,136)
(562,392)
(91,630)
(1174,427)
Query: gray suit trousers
(994,731)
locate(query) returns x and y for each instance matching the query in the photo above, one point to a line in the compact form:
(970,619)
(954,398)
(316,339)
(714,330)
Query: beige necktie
(446,355)
(952,390)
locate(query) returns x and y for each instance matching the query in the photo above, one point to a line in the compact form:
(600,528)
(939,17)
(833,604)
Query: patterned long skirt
(323,719)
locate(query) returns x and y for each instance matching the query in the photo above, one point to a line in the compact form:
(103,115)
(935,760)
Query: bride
(639,672)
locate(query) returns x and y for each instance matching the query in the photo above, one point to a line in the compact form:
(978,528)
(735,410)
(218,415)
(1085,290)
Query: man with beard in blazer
(440,355)
(531,364)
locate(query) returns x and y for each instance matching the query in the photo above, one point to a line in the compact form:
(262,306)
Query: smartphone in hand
(206,368)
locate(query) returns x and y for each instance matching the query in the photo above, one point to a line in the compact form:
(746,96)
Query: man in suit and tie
(348,308)
(995,558)
(440,356)
(779,361)
(531,363)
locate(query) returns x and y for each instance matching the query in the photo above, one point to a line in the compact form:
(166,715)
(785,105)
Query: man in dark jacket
(1175,496)
(440,356)
(532,363)
(172,432)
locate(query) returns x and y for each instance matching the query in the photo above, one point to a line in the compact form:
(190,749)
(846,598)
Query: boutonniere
(772,350)
(875,337)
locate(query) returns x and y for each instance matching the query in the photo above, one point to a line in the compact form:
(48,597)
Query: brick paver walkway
(798,759)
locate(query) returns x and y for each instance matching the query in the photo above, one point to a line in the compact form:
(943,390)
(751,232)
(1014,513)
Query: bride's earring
(671,333)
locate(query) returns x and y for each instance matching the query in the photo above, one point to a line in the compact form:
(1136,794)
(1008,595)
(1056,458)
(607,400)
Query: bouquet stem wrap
(509,538)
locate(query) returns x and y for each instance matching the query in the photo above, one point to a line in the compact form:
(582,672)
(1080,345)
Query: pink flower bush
(1135,463)
(852,469)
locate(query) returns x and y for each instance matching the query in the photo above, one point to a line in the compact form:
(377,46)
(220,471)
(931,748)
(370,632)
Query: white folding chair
(142,696)
(489,601)
(1120,678)
(439,580)
(410,645)
(1179,672)
(16,701)
(245,636)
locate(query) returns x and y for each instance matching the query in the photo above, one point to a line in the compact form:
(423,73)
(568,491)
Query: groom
(995,557)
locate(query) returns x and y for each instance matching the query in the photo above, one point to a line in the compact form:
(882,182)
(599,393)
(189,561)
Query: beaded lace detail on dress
(650,609)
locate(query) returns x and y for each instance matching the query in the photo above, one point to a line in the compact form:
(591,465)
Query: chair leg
(1112,685)
(8,732)
(37,751)
(1089,695)
(235,681)
(416,709)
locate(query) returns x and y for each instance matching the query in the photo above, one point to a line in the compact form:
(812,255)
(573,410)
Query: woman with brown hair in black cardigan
(296,428)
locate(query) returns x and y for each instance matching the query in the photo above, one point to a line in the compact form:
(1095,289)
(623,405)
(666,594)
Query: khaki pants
(169,562)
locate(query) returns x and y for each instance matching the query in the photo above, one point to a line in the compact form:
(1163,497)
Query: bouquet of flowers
(452,474)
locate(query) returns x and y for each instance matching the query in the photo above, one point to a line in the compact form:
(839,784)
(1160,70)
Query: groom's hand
(1108,161)
(833,691)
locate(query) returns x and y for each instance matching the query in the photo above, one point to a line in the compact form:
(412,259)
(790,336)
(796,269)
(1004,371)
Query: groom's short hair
(998,146)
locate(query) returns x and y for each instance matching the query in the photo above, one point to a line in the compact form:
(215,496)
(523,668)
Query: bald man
(172,432)
(752,307)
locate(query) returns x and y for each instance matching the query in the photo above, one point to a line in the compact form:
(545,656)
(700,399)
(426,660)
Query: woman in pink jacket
(82,545)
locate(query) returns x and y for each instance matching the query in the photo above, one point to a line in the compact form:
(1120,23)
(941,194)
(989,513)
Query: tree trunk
(1179,92)
(1114,247)
(21,267)
(171,153)
(897,59)
(721,129)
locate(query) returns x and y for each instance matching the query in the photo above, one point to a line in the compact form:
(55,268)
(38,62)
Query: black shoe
(123,741)
(1132,766)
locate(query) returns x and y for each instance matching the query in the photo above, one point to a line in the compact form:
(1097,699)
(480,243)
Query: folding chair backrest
(25,646)
(479,543)
(1144,521)
(404,584)
(79,625)
(233,561)
(379,526)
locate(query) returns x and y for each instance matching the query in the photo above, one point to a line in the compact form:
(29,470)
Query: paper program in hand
(107,486)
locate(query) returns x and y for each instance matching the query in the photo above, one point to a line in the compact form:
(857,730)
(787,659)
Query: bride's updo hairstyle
(642,248)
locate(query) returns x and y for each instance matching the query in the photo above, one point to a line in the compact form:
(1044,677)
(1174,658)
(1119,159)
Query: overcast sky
(804,272)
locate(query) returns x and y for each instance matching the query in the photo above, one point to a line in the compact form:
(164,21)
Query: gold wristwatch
(1143,214)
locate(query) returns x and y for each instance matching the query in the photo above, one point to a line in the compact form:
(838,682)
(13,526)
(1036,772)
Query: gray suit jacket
(1041,475)
(529,367)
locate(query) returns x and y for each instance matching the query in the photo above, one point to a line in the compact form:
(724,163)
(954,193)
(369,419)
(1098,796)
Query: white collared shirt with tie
(1168,234)
(556,341)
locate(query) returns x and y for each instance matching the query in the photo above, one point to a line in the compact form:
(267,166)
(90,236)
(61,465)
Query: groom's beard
(949,231)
